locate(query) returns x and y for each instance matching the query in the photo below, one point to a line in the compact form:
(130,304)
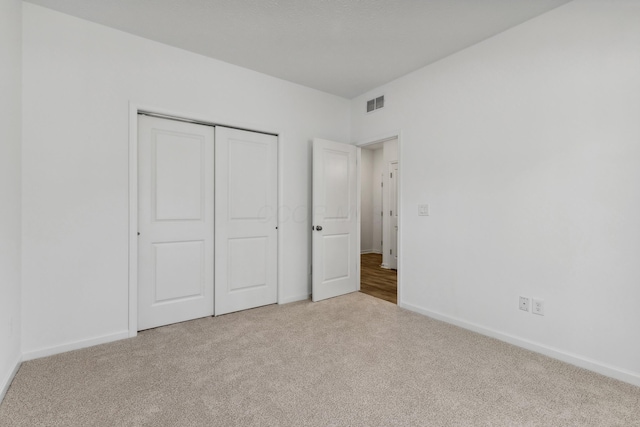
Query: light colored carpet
(349,361)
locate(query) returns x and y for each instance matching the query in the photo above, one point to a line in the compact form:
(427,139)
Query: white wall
(378,164)
(78,80)
(366,201)
(10,134)
(527,149)
(371,171)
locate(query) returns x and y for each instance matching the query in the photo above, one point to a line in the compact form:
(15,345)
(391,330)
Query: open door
(335,245)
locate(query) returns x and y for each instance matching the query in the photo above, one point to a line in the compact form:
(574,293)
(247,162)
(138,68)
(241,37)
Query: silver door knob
(319,228)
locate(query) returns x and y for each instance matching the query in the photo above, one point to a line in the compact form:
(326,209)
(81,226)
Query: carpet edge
(564,356)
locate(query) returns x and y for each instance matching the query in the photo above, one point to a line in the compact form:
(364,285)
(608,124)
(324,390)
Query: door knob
(319,228)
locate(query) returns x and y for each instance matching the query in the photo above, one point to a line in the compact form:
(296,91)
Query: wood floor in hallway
(377,281)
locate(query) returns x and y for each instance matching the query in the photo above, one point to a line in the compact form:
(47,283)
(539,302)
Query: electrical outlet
(423,210)
(524,303)
(538,306)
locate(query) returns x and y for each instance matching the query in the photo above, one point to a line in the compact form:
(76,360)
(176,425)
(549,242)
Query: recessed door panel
(179,263)
(337,257)
(241,275)
(178,175)
(336,194)
(248,179)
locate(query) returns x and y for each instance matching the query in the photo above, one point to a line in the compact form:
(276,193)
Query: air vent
(375,104)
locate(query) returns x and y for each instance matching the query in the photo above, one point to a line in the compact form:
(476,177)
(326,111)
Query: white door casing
(245,219)
(335,245)
(175,221)
(393,229)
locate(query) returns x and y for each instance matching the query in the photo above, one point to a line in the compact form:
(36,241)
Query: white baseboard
(76,345)
(6,382)
(573,359)
(301,297)
(366,251)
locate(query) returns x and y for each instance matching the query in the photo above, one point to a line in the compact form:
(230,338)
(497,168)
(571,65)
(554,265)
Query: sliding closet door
(245,220)
(175,221)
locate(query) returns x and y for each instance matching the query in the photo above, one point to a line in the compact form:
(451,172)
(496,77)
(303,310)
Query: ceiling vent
(375,104)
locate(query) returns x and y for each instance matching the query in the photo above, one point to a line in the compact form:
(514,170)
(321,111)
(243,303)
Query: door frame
(397,134)
(396,211)
(134,110)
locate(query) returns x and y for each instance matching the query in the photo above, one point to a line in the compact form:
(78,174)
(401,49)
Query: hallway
(377,281)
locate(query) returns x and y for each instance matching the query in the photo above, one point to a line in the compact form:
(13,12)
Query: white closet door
(246,220)
(175,221)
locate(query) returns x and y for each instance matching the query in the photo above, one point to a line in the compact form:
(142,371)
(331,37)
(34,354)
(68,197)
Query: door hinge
(391,175)
(390,213)
(390,251)
(382,184)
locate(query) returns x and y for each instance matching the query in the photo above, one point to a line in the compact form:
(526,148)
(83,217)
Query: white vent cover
(374,104)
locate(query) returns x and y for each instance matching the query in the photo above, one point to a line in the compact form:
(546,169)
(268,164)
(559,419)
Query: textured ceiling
(344,47)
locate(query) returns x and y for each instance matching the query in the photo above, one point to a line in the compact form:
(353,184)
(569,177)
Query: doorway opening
(379,177)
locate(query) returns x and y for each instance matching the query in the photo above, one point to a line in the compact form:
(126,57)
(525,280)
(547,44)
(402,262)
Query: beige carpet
(350,361)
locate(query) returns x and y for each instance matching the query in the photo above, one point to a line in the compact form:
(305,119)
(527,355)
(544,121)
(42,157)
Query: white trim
(302,297)
(358,212)
(134,108)
(75,345)
(399,266)
(389,221)
(133,220)
(280,224)
(369,251)
(383,137)
(564,356)
(6,382)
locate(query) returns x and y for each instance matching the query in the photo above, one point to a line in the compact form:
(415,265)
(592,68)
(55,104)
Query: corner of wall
(10,190)
(6,382)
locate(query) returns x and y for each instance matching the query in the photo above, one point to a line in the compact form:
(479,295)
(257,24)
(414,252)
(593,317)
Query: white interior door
(393,200)
(246,220)
(175,221)
(335,245)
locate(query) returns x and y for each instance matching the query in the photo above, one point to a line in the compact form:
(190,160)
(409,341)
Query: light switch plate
(423,210)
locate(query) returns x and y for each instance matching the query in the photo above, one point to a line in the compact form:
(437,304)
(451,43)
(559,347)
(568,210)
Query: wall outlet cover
(538,306)
(524,303)
(423,210)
